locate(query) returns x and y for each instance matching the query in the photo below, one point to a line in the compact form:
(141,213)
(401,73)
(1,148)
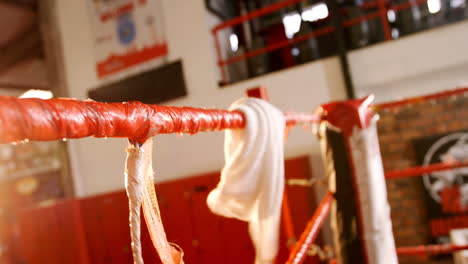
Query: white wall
(418,64)
(98,164)
(10,92)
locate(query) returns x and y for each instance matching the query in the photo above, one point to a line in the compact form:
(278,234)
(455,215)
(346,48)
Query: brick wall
(398,128)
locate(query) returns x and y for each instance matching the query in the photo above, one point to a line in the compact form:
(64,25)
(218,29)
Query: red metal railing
(254,14)
(382,5)
(407,5)
(383,18)
(278,45)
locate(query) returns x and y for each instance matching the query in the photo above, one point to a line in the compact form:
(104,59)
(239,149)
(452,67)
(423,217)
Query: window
(255,37)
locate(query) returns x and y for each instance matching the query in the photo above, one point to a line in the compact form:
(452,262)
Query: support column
(360,216)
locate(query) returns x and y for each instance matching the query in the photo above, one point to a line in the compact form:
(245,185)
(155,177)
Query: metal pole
(341,45)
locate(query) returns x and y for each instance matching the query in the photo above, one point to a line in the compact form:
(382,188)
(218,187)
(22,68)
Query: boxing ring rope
(417,171)
(426,250)
(299,252)
(54,119)
(32,119)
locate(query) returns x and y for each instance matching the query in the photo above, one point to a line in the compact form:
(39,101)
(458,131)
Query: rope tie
(141,193)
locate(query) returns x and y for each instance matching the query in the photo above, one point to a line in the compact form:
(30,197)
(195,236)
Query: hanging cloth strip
(140,190)
(252,180)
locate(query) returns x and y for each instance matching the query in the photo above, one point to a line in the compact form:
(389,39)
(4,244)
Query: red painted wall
(95,229)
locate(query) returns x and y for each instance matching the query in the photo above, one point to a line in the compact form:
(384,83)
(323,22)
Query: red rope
(417,171)
(299,252)
(288,222)
(425,250)
(293,119)
(42,120)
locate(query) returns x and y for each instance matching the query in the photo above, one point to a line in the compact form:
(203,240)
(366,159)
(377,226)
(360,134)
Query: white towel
(252,180)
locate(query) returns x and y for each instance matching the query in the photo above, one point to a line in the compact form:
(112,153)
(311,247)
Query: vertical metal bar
(384,20)
(219,57)
(341,45)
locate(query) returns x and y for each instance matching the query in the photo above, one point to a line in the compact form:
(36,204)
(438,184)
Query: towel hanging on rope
(252,180)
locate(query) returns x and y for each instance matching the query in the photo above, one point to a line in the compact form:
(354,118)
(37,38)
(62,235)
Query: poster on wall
(128,36)
(447,191)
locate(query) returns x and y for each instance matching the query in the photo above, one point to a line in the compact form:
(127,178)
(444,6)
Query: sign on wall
(127,34)
(447,191)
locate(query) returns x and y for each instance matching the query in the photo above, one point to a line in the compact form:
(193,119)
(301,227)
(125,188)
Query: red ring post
(355,174)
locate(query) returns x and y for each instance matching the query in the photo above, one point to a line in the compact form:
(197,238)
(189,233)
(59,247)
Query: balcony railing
(377,9)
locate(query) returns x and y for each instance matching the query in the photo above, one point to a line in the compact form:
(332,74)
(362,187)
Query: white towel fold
(252,180)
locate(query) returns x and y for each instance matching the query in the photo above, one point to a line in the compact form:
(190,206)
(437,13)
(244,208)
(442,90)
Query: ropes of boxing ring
(31,119)
(316,221)
(26,119)
(420,170)
(54,119)
(309,234)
